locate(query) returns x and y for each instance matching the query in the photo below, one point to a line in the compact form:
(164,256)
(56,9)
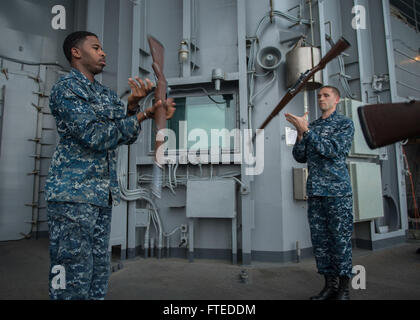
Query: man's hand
(170,109)
(150,112)
(300,123)
(139,90)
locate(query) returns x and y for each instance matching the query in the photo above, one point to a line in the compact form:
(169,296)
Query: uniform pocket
(74,243)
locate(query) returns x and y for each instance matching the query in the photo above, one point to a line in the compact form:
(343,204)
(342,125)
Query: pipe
(305,102)
(160,231)
(2,103)
(146,237)
(297,252)
(152,247)
(33,63)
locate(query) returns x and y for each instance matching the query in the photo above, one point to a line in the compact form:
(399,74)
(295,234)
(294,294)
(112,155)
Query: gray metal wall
(27,35)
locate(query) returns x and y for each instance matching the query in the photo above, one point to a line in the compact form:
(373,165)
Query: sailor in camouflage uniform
(82,182)
(324,145)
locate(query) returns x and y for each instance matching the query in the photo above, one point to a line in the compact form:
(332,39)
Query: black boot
(330,289)
(343,292)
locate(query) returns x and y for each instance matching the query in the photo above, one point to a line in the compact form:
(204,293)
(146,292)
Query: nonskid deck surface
(391,273)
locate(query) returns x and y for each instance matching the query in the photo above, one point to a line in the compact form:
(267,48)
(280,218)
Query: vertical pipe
(132,149)
(152,247)
(2,103)
(191,239)
(362,62)
(234,242)
(321,18)
(247,204)
(186,35)
(312,37)
(305,101)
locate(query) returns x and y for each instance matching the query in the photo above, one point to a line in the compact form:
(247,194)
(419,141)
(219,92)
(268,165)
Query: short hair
(334,89)
(73,40)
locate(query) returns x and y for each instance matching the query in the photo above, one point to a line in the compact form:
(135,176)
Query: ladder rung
(33,205)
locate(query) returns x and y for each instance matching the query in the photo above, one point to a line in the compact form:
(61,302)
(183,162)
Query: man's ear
(337,99)
(76,53)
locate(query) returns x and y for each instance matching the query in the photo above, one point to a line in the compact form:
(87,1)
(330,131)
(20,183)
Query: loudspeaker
(269,58)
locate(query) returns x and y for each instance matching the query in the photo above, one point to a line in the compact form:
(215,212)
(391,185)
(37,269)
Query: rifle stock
(341,45)
(384,124)
(158,52)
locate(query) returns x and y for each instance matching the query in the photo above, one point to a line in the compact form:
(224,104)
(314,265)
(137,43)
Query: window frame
(235,149)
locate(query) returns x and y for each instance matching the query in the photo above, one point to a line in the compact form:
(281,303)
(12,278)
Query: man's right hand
(300,123)
(170,109)
(150,112)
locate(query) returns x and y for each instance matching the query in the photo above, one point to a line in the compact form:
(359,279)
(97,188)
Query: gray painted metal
(211,199)
(19,125)
(301,59)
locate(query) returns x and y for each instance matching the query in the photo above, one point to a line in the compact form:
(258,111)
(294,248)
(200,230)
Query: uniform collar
(83,79)
(331,117)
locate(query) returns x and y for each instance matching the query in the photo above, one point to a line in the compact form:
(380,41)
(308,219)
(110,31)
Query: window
(201,123)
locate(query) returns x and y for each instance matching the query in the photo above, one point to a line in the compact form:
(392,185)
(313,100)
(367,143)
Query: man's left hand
(139,90)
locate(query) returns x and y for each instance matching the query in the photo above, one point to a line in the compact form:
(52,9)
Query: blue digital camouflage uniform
(82,181)
(79,238)
(330,203)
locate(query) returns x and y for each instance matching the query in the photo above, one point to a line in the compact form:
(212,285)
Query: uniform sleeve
(119,102)
(83,125)
(339,143)
(299,151)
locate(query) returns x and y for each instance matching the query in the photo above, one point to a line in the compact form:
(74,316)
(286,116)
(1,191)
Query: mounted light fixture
(183,52)
(217,75)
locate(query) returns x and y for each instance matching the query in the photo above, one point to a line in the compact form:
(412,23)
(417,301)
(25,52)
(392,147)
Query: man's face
(91,55)
(327,99)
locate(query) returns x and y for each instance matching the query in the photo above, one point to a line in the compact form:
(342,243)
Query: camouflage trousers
(79,238)
(331,224)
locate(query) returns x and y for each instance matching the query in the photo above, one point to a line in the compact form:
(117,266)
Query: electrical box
(300,176)
(348,107)
(142,217)
(367,190)
(211,199)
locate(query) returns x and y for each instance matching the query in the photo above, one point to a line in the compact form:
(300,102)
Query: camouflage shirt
(91,123)
(325,148)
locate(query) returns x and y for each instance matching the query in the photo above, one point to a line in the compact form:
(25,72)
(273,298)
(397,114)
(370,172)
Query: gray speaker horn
(269,58)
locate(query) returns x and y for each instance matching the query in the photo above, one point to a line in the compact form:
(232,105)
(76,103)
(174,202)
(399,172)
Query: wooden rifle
(158,52)
(385,124)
